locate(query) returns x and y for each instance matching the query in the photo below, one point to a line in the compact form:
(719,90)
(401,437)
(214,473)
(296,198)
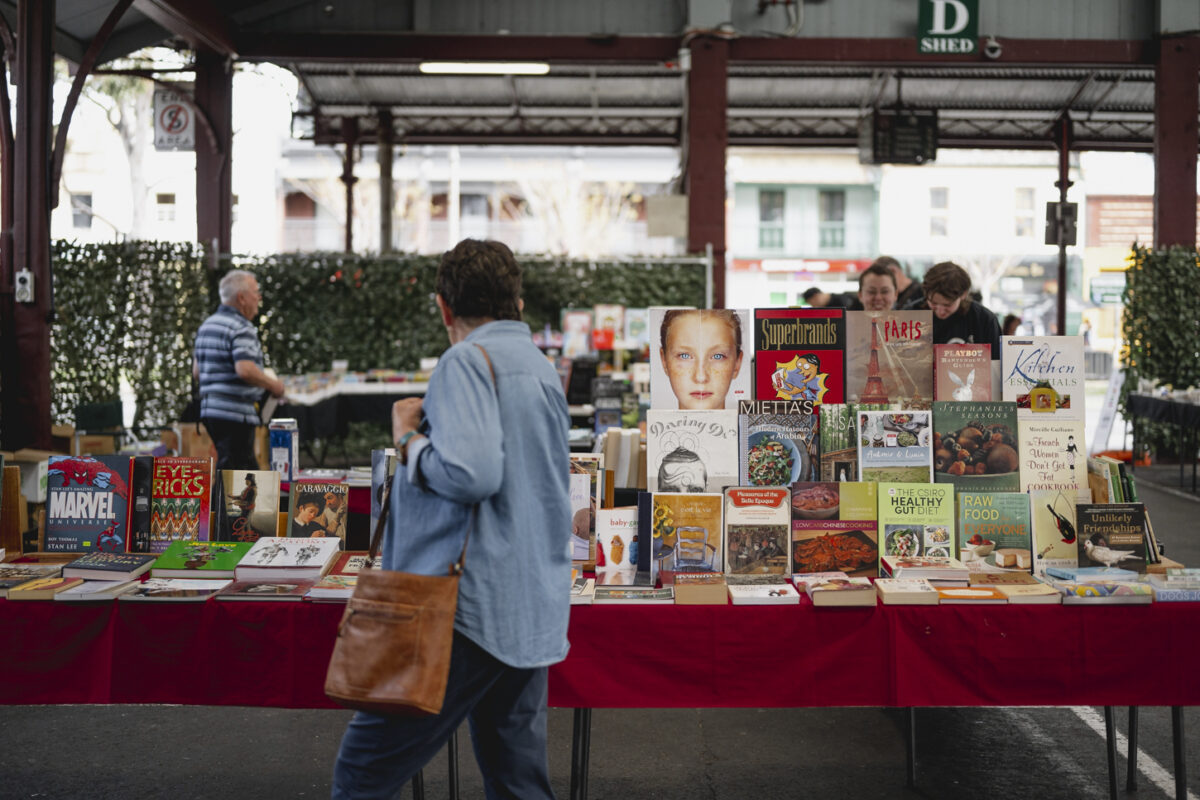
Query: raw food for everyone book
(976,446)
(1112,535)
(291,590)
(800,354)
(179,501)
(916,519)
(835,528)
(175,590)
(895,446)
(838,438)
(962,372)
(318,509)
(906,592)
(777,443)
(249,505)
(200,560)
(87,504)
(691,451)
(763,594)
(757,531)
(686,533)
(835,589)
(616,546)
(699,358)
(1052,518)
(284,558)
(101,566)
(1043,375)
(889,357)
(1053,454)
(994,531)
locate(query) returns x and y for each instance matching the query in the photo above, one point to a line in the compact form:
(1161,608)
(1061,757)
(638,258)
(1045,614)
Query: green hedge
(133,309)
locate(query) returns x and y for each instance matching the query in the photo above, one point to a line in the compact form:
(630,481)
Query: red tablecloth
(274,654)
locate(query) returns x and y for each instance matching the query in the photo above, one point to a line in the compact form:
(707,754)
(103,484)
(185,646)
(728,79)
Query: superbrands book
(976,447)
(834,528)
(916,519)
(757,531)
(800,354)
(777,442)
(838,436)
(699,358)
(691,451)
(318,509)
(616,546)
(1053,454)
(889,357)
(994,531)
(962,372)
(686,532)
(87,505)
(249,505)
(179,504)
(1052,518)
(1112,535)
(1043,375)
(895,446)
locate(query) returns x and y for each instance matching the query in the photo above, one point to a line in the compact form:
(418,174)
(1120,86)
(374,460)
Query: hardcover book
(962,372)
(838,437)
(945,570)
(686,533)
(179,504)
(836,589)
(175,590)
(87,504)
(249,505)
(1167,590)
(101,566)
(916,519)
(383,467)
(43,588)
(1051,454)
(317,509)
(691,451)
(895,446)
(889,357)
(699,358)
(293,590)
(583,591)
(1088,574)
(970,595)
(1052,517)
(15,574)
(283,558)
(1036,593)
(97,591)
(994,531)
(616,546)
(699,589)
(777,443)
(141,491)
(800,354)
(588,464)
(976,447)
(634,595)
(757,531)
(351,562)
(333,588)
(763,594)
(1112,535)
(199,559)
(834,528)
(906,592)
(1043,375)
(1104,592)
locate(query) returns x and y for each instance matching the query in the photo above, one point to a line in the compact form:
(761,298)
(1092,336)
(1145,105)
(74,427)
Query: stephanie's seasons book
(800,355)
(87,504)
(179,504)
(777,443)
(895,446)
(889,357)
(916,519)
(834,528)
(975,446)
(1043,375)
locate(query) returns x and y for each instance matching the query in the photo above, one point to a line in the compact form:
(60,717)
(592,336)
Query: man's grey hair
(236,280)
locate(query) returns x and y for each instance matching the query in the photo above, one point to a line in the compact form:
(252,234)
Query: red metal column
(350,134)
(25,337)
(214,168)
(707,135)
(1176,89)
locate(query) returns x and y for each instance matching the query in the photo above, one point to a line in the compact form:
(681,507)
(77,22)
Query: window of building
(831,218)
(165,203)
(81,210)
(298,205)
(770,219)
(473,205)
(1023,215)
(939,211)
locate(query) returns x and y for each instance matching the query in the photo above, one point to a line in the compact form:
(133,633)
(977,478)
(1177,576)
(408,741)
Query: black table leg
(452,753)
(911,749)
(1110,736)
(1131,758)
(1181,790)
(581,745)
(418,785)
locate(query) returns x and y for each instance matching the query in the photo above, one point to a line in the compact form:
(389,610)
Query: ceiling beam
(65,45)
(196,21)
(132,38)
(1044,52)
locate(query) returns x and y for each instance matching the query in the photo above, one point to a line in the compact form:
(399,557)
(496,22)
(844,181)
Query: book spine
(1176,595)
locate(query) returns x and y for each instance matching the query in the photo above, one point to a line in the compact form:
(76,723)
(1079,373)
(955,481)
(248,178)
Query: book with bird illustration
(1052,517)
(1112,535)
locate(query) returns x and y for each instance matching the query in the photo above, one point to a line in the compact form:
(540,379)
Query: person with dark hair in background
(820,299)
(956,316)
(876,289)
(1011,323)
(488,442)
(908,291)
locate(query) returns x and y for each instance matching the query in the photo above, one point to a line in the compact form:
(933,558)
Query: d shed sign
(948,26)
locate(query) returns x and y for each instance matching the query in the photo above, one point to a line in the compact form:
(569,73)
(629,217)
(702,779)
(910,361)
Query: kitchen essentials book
(777,443)
(1043,375)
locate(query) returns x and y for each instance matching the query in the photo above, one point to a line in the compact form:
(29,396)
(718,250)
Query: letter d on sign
(961,17)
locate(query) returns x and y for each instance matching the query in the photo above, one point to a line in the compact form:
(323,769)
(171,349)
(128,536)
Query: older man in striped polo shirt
(228,366)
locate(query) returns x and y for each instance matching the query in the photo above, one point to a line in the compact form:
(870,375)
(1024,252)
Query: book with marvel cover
(1043,375)
(962,372)
(800,355)
(757,531)
(976,446)
(250,500)
(777,443)
(889,357)
(835,528)
(87,506)
(179,504)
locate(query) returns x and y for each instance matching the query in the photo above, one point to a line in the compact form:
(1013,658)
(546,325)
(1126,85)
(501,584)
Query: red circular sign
(174,118)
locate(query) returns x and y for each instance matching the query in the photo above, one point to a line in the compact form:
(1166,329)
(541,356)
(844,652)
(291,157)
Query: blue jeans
(506,708)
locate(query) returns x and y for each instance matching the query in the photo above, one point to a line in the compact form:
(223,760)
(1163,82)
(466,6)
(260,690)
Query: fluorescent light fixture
(484,68)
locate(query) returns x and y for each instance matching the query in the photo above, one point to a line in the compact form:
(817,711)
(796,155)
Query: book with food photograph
(916,519)
(757,531)
(834,528)
(976,446)
(835,589)
(763,594)
(800,355)
(906,592)
(777,443)
(838,438)
(994,531)
(889,357)
(1043,375)
(895,446)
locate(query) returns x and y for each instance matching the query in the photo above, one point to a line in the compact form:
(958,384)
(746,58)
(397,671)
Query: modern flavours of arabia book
(691,451)
(87,504)
(699,358)
(895,446)
(962,372)
(994,531)
(777,443)
(1043,375)
(916,519)
(889,357)
(179,501)
(976,447)
(834,528)
(799,354)
(250,501)
(757,531)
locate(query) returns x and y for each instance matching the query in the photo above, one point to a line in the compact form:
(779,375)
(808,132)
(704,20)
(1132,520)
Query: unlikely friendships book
(87,504)
(777,442)
(889,357)
(1043,375)
(179,501)
(976,446)
(1112,535)
(834,528)
(800,354)
(895,446)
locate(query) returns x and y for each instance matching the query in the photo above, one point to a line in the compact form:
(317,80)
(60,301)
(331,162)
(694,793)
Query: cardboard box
(95,444)
(14,513)
(1162,566)
(195,441)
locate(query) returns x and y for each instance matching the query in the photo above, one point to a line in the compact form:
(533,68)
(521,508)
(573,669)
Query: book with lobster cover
(179,501)
(835,528)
